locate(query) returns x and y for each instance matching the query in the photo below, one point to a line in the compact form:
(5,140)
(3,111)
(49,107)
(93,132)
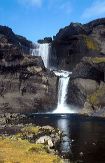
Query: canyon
(28,83)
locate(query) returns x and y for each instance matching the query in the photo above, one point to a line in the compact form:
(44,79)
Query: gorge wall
(25,84)
(87,86)
(76,41)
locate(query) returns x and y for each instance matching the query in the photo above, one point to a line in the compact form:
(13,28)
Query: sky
(36,19)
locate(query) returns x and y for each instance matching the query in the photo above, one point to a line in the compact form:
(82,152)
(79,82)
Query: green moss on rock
(98,59)
(90,43)
(97,97)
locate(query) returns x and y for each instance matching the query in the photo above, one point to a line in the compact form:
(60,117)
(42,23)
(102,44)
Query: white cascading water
(62,106)
(43,51)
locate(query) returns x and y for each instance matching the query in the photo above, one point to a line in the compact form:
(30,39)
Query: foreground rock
(25,147)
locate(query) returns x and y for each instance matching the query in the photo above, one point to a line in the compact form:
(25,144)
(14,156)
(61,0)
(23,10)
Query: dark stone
(86,71)
(87,84)
(10,40)
(26,85)
(75,96)
(77,40)
(45,40)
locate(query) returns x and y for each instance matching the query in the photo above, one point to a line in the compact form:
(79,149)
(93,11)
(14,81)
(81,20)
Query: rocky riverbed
(27,142)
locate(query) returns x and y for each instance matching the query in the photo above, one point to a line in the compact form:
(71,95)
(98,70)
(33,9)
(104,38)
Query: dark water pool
(83,137)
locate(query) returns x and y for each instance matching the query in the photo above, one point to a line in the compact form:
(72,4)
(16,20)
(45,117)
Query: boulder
(45,140)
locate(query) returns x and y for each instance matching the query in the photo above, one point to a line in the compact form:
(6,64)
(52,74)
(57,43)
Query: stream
(83,138)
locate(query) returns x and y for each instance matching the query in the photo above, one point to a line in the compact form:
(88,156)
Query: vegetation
(16,149)
(98,59)
(90,43)
(30,129)
(13,150)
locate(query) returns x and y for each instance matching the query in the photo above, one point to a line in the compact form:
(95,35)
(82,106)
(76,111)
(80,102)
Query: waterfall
(62,106)
(62,92)
(43,51)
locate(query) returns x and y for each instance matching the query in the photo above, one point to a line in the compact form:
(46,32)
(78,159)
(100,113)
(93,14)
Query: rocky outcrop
(87,86)
(23,141)
(45,40)
(25,84)
(77,40)
(9,40)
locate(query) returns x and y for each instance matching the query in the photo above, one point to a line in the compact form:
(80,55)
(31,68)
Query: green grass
(15,149)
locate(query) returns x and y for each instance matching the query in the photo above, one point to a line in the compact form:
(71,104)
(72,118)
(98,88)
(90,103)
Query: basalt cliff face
(10,41)
(87,86)
(80,48)
(77,40)
(25,84)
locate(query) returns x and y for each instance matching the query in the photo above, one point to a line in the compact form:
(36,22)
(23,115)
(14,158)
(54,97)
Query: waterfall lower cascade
(43,51)
(62,106)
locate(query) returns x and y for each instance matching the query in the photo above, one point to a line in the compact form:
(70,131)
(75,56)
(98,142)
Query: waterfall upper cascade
(43,51)
(62,106)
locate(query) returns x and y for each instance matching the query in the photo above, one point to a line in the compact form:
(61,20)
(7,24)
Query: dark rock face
(91,25)
(45,40)
(87,86)
(75,41)
(8,40)
(86,70)
(75,96)
(25,84)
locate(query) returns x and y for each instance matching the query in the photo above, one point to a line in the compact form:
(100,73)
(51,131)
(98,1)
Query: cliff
(87,86)
(77,40)
(25,84)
